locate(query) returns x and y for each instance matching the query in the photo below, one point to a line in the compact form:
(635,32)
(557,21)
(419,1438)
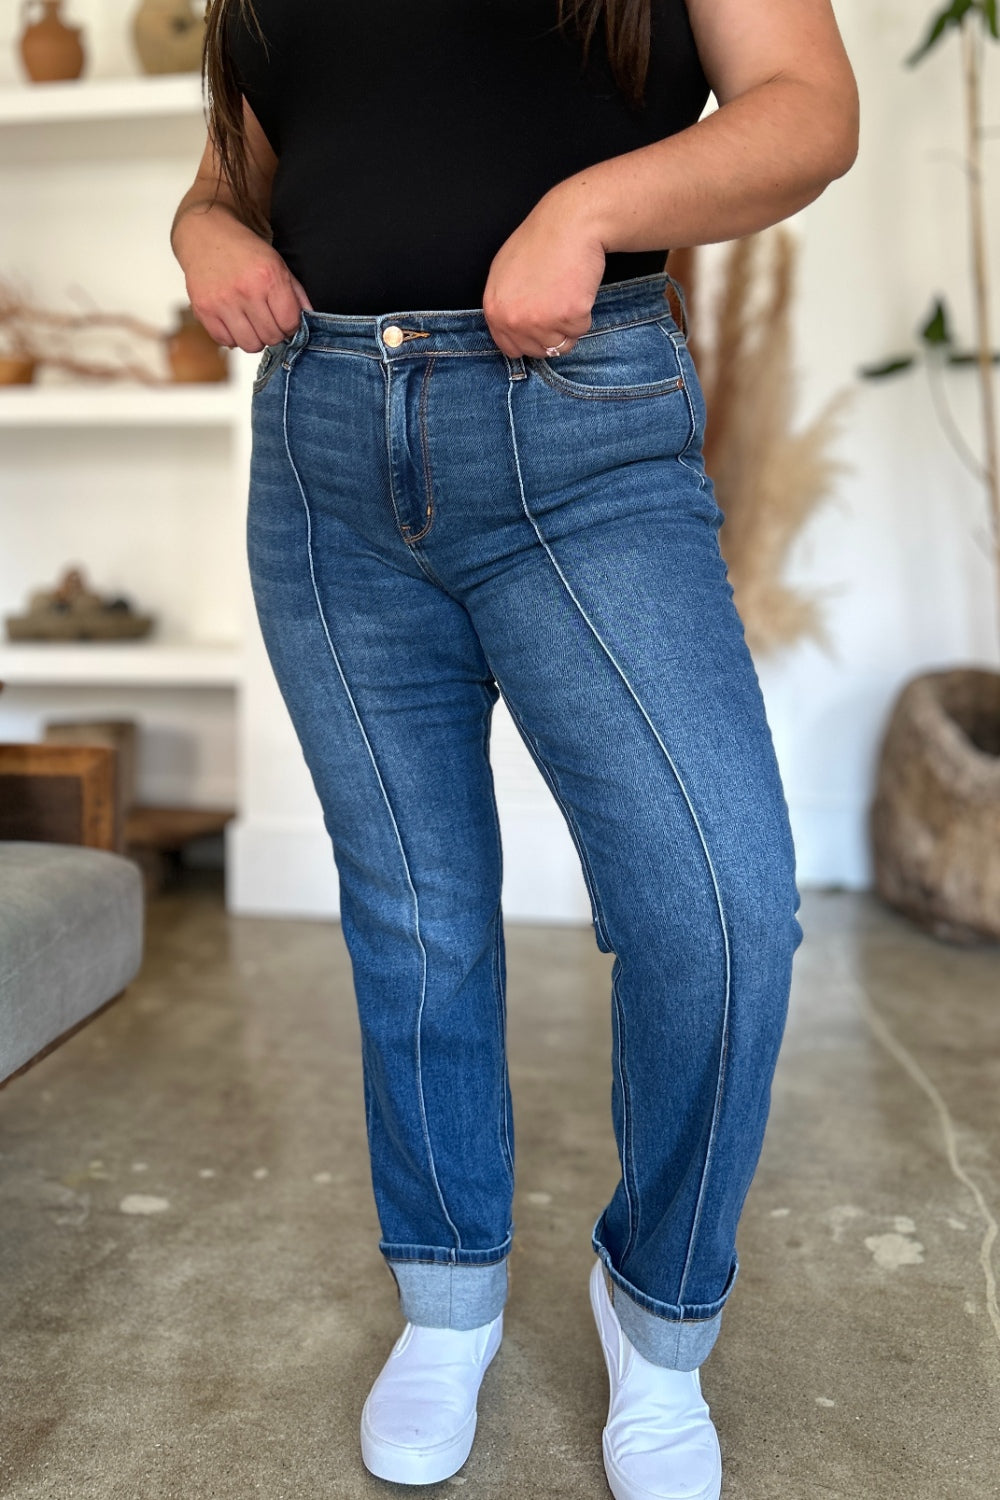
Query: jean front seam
(388,805)
(600,924)
(601,927)
(506,1148)
(628,1154)
(696,821)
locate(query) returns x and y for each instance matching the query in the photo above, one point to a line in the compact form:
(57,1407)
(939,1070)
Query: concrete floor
(192,1303)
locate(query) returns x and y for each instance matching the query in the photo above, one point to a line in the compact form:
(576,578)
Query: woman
(477,469)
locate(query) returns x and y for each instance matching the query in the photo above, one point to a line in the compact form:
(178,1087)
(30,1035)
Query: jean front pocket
(624,363)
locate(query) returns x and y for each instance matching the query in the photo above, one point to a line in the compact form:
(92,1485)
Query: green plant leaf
(953,15)
(989,10)
(890,367)
(970,357)
(937,330)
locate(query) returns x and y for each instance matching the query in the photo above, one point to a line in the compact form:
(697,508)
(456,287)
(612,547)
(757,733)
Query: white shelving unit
(142,485)
(116,404)
(121,99)
(145,663)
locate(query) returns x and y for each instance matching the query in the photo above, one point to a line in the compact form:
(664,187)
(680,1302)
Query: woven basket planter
(935,818)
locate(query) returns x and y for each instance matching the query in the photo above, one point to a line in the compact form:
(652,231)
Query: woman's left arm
(786,126)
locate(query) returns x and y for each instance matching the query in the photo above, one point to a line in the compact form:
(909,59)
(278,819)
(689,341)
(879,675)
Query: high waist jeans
(432,524)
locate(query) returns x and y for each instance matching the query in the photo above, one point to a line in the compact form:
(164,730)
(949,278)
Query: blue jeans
(431,524)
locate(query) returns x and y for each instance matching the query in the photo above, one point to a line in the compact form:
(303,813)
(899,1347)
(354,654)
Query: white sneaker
(419,1420)
(660,1442)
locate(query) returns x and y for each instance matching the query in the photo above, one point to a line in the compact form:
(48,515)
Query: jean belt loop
(681,303)
(515,364)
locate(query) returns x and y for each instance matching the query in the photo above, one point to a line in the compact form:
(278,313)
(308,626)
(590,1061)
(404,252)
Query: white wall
(906,543)
(902,548)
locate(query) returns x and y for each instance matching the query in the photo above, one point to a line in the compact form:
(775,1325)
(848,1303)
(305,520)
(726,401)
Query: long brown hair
(626,25)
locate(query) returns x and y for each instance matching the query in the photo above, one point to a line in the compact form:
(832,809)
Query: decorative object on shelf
(192,352)
(29,332)
(769,479)
(120,734)
(17,369)
(156,838)
(168,36)
(50,48)
(72,611)
(936,813)
(935,817)
(18,353)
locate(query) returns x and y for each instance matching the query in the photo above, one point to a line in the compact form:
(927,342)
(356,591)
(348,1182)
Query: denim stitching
(583,392)
(601,926)
(397,1253)
(628,1134)
(600,923)
(647,392)
(265,369)
(387,383)
(724,1045)
(392,817)
(670,1311)
(317,345)
(425,455)
(691,411)
(498,988)
(505,1143)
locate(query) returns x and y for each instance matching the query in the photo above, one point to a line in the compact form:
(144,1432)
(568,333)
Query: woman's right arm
(240,288)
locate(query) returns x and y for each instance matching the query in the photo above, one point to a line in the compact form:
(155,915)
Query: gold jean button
(393,336)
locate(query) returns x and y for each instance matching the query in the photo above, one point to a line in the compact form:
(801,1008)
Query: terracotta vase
(50,49)
(168,36)
(17,369)
(192,352)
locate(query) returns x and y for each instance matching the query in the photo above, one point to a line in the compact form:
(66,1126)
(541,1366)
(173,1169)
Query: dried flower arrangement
(769,478)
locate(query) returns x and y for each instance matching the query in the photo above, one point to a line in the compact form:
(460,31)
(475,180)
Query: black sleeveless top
(413,136)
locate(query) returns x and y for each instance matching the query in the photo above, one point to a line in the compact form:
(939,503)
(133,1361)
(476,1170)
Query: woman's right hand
(239,287)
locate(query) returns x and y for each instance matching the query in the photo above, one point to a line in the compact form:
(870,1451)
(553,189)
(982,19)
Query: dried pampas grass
(768,479)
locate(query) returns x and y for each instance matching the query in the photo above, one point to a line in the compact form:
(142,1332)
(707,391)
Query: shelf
(143,663)
(116,404)
(79,99)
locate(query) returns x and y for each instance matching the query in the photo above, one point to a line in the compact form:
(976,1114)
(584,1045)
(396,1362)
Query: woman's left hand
(544,278)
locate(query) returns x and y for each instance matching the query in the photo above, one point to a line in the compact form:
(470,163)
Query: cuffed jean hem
(450,1293)
(675,1337)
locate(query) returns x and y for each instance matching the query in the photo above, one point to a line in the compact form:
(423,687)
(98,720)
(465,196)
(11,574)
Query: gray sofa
(72,905)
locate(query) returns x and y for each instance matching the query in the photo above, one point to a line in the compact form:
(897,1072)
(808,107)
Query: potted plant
(935,816)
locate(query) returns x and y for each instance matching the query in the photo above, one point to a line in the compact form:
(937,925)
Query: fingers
(516,345)
(252,328)
(217,329)
(301,293)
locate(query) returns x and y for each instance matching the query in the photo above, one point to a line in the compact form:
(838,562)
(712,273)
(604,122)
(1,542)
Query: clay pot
(168,36)
(17,369)
(50,49)
(192,352)
(935,818)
